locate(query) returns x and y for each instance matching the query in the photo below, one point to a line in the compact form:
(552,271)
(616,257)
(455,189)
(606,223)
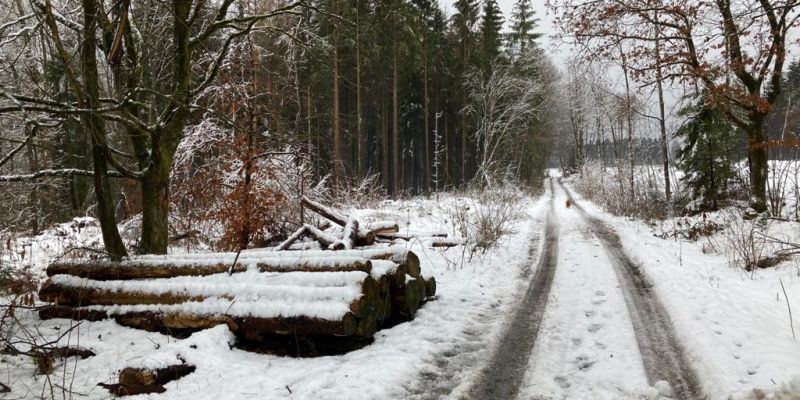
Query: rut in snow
(503,375)
(662,354)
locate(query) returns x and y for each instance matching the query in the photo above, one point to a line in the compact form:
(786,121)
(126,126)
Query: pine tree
(708,154)
(522,37)
(491,25)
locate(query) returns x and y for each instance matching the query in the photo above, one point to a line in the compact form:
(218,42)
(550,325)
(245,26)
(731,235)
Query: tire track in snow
(662,354)
(502,376)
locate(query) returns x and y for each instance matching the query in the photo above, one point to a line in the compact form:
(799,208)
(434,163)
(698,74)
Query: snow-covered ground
(586,348)
(435,354)
(734,324)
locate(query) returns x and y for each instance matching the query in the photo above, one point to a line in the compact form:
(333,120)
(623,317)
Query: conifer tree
(707,155)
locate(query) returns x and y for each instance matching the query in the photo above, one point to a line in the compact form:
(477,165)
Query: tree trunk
(395,126)
(337,140)
(426,106)
(155,208)
(758,162)
(361,146)
(662,119)
(96,128)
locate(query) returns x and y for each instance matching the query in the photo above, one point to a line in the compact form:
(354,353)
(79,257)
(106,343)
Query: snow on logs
(309,293)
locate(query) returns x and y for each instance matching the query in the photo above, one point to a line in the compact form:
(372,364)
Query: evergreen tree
(522,37)
(491,25)
(707,155)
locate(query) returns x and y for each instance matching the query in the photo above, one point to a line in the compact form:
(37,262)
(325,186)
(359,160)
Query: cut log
(430,287)
(324,239)
(249,327)
(71,291)
(133,381)
(143,376)
(383,227)
(106,270)
(406,300)
(440,242)
(156,269)
(411,235)
(349,236)
(324,211)
(292,238)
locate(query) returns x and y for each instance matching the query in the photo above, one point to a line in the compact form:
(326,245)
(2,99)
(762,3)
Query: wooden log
(127,270)
(324,211)
(411,235)
(383,227)
(316,265)
(169,294)
(248,327)
(106,270)
(407,300)
(144,376)
(430,287)
(133,381)
(324,239)
(292,238)
(349,236)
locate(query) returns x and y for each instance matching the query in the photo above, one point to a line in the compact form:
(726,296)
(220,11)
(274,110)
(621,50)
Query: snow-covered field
(434,354)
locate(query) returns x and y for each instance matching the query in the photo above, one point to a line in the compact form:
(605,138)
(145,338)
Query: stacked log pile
(348,293)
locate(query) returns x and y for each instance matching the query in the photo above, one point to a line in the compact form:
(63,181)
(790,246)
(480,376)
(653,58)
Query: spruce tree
(708,154)
(522,37)
(491,25)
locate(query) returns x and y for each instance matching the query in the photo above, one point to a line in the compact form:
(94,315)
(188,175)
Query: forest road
(522,367)
(662,354)
(502,377)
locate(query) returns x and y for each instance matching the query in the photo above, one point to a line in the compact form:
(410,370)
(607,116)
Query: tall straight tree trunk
(662,121)
(387,181)
(629,116)
(426,110)
(361,146)
(337,139)
(395,126)
(96,128)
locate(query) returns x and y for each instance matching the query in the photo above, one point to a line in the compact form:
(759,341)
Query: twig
(785,296)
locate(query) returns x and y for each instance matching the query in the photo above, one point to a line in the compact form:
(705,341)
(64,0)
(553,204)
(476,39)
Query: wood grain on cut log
(107,270)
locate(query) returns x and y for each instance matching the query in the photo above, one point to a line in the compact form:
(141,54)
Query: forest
(400,199)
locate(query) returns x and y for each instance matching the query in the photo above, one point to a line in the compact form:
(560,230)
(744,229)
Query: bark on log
(144,376)
(349,236)
(75,296)
(103,271)
(250,327)
(292,238)
(326,212)
(133,381)
(383,227)
(106,270)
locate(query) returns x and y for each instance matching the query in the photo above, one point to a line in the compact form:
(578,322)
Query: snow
(438,352)
(586,347)
(733,324)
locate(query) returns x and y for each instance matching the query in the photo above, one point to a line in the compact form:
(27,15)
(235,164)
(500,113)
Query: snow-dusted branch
(54,173)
